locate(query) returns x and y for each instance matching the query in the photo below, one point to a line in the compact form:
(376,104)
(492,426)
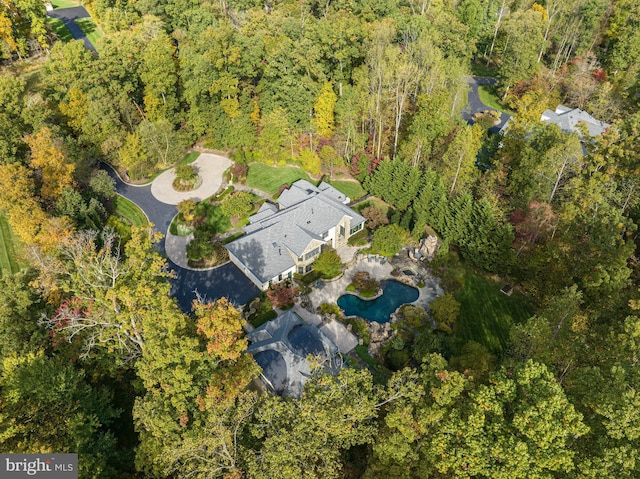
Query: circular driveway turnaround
(226,281)
(211,169)
(474,104)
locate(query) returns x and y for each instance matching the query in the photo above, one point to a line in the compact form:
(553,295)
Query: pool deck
(334,289)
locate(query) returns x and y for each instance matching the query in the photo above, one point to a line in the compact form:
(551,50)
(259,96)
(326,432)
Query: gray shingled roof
(270,237)
(281,347)
(263,252)
(568,119)
(266,210)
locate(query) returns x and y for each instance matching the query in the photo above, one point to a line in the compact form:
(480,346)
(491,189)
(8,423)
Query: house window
(300,270)
(280,277)
(341,230)
(308,268)
(355,229)
(325,235)
(290,275)
(312,253)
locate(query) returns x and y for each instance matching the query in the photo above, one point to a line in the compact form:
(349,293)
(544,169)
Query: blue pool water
(394,294)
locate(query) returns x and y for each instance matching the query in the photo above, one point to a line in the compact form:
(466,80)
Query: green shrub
(328,264)
(397,359)
(186,173)
(199,249)
(327,308)
(308,278)
(389,240)
(359,328)
(351,288)
(263,313)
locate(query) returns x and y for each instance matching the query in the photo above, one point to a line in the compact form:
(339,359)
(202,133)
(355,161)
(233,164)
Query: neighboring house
(568,120)
(286,238)
(281,348)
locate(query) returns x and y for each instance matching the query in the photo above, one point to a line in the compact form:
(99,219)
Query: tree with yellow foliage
(323,112)
(47,157)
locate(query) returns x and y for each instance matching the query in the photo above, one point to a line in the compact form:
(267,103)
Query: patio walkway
(334,289)
(331,291)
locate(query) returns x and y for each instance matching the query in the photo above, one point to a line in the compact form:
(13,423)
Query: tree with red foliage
(282,295)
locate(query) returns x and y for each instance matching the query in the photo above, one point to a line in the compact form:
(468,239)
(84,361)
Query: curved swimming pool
(394,294)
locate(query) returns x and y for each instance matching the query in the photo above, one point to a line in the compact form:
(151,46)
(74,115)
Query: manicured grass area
(480,69)
(64,3)
(269,179)
(486,95)
(352,189)
(90,29)
(189,158)
(60,29)
(486,314)
(8,262)
(130,211)
(372,201)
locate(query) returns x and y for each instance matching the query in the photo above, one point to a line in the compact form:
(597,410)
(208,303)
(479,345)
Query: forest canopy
(374,92)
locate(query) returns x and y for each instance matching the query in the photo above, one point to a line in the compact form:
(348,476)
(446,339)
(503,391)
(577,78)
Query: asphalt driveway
(474,104)
(226,281)
(68,16)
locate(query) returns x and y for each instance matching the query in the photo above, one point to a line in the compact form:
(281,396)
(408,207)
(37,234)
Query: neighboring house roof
(281,347)
(275,234)
(568,119)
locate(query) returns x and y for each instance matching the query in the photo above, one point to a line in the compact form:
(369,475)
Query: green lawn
(486,95)
(486,314)
(480,69)
(352,189)
(130,211)
(64,3)
(60,29)
(90,29)
(8,263)
(189,158)
(270,179)
(372,201)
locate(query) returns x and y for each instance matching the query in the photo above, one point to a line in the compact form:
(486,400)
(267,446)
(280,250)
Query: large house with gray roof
(285,238)
(568,120)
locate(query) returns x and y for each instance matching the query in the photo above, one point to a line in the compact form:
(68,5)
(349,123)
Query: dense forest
(97,358)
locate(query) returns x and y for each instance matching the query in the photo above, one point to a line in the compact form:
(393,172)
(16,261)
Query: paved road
(68,16)
(226,281)
(475,105)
